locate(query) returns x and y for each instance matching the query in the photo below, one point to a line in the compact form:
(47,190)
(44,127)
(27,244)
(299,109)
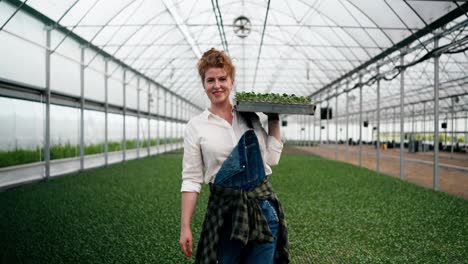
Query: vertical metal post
(308,131)
(378,121)
(336,124)
(466,131)
(138,117)
(124,145)
(82,68)
(413,122)
(424,127)
(158,121)
(347,121)
(304,126)
(402,116)
(47,112)
(436,117)
(106,112)
(320,125)
(165,121)
(313,123)
(176,123)
(328,119)
(393,126)
(148,109)
(360,119)
(452,127)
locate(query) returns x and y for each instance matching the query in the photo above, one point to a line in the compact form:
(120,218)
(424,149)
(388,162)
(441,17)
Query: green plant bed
(19,156)
(130,213)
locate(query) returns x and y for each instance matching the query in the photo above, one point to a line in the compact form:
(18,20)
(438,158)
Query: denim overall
(244,169)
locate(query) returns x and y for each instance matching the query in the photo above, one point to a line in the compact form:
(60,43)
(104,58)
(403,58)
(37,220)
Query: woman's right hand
(186,241)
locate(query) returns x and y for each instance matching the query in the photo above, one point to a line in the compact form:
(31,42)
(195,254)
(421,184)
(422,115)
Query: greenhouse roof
(301,47)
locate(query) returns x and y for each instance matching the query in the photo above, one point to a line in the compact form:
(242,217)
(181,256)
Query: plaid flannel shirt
(248,221)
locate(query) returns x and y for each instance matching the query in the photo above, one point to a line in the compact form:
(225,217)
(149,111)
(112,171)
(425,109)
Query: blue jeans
(233,251)
(244,169)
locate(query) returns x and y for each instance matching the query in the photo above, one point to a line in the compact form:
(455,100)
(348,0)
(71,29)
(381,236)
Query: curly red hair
(216,58)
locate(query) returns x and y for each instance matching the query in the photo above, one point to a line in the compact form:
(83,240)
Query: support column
(158,136)
(347,121)
(317,109)
(47,101)
(424,127)
(336,124)
(452,127)
(106,113)
(393,127)
(148,109)
(165,121)
(82,68)
(177,106)
(124,144)
(402,116)
(328,120)
(466,131)
(308,131)
(138,118)
(436,118)
(320,124)
(378,122)
(360,120)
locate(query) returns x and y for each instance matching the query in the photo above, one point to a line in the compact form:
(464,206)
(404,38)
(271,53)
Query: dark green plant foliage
(272,97)
(20,156)
(130,213)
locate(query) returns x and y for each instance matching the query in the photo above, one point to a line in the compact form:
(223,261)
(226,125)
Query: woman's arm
(189,201)
(273,144)
(274,126)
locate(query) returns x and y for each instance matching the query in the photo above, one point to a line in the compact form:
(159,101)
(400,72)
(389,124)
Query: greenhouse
(96,97)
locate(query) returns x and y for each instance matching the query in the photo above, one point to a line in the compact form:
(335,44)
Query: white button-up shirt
(209,139)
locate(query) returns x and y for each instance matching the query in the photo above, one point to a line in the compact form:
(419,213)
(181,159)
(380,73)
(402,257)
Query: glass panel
(27,63)
(64,132)
(131,132)
(143,142)
(131,96)
(94,76)
(115,133)
(161,102)
(115,84)
(22,133)
(94,138)
(153,136)
(65,64)
(143,96)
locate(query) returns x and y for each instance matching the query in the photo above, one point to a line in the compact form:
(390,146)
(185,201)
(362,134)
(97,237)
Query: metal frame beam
(454,14)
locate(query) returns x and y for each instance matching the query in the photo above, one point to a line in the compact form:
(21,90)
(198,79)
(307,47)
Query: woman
(232,152)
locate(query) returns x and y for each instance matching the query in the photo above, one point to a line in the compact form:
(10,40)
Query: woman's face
(217,85)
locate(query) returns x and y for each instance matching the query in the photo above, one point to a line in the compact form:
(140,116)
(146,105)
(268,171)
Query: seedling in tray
(272,98)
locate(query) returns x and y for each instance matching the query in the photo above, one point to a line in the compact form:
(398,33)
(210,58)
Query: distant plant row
(61,151)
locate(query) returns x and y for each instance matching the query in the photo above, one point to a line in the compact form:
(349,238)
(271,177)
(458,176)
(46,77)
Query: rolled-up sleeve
(192,164)
(273,147)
